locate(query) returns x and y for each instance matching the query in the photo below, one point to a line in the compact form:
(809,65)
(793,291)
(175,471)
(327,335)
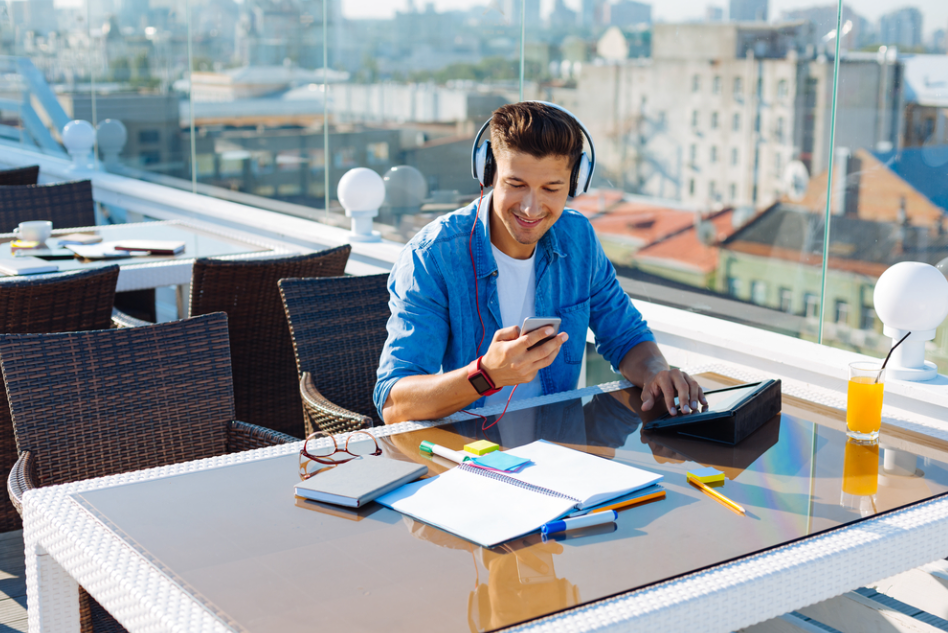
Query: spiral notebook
(488,508)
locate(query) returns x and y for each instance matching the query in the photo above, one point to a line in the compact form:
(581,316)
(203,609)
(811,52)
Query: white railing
(689,339)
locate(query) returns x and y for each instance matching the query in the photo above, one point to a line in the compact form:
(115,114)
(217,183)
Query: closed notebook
(154,247)
(26,266)
(359,481)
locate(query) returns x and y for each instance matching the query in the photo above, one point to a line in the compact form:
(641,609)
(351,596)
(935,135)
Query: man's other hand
(670,383)
(509,359)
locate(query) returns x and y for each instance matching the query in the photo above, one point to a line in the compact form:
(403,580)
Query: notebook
(359,481)
(26,266)
(488,508)
(79,238)
(102,250)
(153,247)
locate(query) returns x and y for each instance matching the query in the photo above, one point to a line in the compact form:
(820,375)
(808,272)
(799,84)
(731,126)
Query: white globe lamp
(112,137)
(911,297)
(79,139)
(361,193)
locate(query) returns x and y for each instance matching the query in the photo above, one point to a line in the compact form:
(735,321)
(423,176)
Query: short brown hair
(536,129)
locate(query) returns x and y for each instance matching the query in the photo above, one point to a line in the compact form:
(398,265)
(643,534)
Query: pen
(717,495)
(579,522)
(659,494)
(432,448)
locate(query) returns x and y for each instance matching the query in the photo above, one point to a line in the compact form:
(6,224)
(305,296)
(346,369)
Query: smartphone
(534,323)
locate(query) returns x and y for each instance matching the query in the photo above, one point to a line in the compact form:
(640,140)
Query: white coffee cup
(34,231)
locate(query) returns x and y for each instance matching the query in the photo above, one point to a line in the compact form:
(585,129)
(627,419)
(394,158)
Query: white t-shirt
(516,292)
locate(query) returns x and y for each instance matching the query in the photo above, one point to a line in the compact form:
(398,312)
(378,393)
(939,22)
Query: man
(472,276)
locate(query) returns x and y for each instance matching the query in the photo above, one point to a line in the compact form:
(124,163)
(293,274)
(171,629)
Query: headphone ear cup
(489,166)
(479,158)
(580,178)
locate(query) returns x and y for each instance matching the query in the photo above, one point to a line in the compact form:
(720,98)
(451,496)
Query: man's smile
(526,223)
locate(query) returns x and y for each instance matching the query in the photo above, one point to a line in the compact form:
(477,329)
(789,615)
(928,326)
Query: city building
(151,122)
(926,100)
(748,10)
(719,111)
(902,28)
(713,14)
(630,13)
(857,34)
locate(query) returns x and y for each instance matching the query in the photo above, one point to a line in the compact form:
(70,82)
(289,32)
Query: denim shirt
(434,324)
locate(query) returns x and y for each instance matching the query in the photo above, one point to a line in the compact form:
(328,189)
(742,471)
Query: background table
(139,273)
(219,545)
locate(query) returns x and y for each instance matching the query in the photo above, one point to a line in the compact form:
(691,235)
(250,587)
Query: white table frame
(176,271)
(66,546)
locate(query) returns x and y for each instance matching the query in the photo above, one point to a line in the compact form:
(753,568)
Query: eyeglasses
(355,445)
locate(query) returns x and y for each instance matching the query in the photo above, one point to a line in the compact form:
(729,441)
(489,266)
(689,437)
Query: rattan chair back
(20,176)
(62,303)
(90,404)
(266,387)
(66,205)
(338,331)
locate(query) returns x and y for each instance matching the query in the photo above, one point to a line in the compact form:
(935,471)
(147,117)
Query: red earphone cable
(470,249)
(477,304)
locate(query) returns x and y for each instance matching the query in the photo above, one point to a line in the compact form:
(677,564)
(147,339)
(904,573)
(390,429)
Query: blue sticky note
(500,461)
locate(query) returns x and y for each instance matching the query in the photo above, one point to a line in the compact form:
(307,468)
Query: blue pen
(562,525)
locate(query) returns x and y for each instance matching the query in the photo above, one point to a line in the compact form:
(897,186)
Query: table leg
(183,292)
(52,595)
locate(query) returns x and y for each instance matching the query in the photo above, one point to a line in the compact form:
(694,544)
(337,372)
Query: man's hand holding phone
(516,354)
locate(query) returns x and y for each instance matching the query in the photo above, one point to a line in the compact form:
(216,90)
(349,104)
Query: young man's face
(529,196)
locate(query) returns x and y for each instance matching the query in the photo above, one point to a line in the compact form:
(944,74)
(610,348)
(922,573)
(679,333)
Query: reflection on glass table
(377,569)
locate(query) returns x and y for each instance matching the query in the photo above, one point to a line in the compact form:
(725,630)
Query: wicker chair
(90,404)
(66,205)
(63,303)
(266,385)
(338,330)
(20,176)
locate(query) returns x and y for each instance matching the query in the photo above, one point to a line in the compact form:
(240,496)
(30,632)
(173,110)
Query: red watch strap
(476,374)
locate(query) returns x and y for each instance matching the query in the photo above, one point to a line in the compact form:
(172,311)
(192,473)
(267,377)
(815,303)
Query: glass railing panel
(422,78)
(44,49)
(97,61)
(706,128)
(889,194)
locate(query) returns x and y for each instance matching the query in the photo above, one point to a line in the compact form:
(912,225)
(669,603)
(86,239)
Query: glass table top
(198,243)
(262,560)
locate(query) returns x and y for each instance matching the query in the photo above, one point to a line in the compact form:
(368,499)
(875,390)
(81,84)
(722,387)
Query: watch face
(480,383)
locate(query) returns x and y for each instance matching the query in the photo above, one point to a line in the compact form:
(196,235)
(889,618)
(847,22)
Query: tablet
(733,413)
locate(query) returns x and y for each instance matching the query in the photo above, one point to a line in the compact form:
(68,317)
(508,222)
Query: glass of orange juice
(864,400)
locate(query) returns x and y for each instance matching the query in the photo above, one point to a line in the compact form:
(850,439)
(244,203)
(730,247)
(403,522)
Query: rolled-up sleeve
(418,327)
(617,324)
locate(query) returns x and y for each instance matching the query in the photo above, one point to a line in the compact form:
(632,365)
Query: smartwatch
(480,380)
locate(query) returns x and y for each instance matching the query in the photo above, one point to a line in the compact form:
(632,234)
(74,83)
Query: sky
(935,12)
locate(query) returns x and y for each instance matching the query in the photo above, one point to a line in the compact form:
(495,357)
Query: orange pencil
(660,494)
(717,495)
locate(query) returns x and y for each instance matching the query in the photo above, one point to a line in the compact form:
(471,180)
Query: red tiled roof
(685,250)
(644,223)
(589,204)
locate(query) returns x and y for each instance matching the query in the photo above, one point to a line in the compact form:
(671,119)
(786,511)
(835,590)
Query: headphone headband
(482,157)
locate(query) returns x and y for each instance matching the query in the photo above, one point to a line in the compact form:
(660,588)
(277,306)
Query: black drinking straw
(887,357)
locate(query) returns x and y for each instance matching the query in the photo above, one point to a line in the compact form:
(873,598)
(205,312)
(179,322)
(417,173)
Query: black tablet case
(733,425)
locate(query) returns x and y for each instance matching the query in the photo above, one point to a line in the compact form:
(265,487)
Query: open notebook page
(580,475)
(476,507)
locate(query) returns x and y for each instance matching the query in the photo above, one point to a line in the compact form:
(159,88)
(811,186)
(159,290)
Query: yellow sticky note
(707,475)
(480,447)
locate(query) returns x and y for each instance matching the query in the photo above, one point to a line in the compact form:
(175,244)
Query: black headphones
(483,164)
